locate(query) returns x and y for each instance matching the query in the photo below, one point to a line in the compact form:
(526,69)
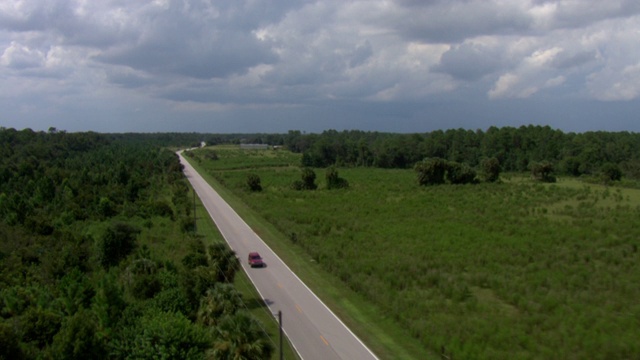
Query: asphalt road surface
(314,331)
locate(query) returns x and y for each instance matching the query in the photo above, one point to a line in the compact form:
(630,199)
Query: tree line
(516,149)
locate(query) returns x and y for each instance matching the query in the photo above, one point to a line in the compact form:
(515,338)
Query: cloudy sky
(277,65)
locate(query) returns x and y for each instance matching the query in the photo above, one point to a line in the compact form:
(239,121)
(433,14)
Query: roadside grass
(516,269)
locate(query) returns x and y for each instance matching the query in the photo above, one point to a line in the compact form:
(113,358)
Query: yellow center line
(299,309)
(324,340)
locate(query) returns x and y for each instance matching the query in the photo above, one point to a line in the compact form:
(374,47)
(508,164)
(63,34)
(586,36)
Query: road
(313,329)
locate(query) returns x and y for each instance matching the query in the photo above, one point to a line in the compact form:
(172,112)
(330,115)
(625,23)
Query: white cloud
(616,85)
(533,74)
(503,86)
(18,56)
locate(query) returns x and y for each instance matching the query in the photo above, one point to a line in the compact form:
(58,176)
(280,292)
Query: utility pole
(280,323)
(195,224)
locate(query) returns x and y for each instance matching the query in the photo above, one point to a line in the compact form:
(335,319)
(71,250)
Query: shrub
(431,171)
(164,335)
(241,336)
(490,169)
(309,179)
(333,180)
(542,171)
(459,173)
(610,172)
(253,182)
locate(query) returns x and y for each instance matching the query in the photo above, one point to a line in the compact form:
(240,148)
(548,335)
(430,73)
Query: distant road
(315,332)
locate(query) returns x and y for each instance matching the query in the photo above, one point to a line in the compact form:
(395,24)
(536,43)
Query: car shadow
(257,303)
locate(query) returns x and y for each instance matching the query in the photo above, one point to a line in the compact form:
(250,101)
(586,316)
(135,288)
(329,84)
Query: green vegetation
(506,269)
(99,258)
(589,154)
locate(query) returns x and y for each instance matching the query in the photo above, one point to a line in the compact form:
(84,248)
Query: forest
(516,149)
(99,258)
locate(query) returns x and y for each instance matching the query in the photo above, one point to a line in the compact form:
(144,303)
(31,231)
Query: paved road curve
(312,328)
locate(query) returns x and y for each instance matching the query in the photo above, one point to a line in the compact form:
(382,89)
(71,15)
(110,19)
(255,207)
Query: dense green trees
(514,149)
(79,338)
(117,242)
(92,231)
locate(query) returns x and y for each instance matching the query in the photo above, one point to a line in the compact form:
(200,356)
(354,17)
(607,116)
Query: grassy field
(491,271)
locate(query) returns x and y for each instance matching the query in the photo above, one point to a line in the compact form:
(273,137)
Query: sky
(270,66)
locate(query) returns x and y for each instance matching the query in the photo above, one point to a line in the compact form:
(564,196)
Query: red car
(255,260)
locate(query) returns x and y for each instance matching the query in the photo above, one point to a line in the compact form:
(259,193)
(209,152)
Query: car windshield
(255,256)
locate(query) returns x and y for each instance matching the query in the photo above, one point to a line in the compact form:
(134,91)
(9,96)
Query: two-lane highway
(312,328)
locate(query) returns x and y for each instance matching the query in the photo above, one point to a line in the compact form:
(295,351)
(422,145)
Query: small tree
(307,182)
(309,179)
(542,171)
(490,169)
(240,336)
(610,172)
(224,262)
(222,299)
(333,180)
(460,173)
(431,171)
(253,182)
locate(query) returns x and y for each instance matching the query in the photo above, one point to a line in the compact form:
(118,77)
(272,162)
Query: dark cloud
(213,56)
(566,60)
(361,54)
(129,78)
(454,21)
(196,42)
(470,62)
(575,14)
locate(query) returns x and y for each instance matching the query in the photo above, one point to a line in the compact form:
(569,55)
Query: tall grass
(508,270)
